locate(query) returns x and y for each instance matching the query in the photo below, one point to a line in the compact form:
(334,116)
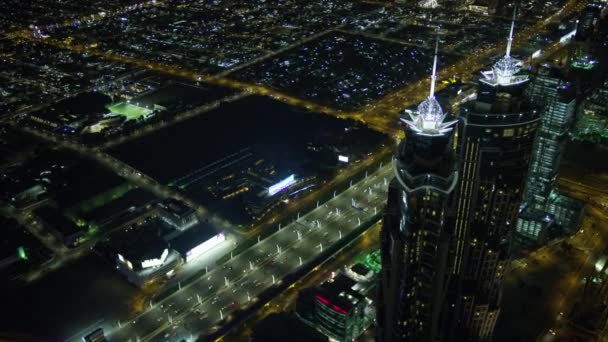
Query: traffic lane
(229,304)
(240,297)
(348,217)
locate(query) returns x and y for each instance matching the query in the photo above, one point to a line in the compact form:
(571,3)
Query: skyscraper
(495,138)
(555,97)
(415,237)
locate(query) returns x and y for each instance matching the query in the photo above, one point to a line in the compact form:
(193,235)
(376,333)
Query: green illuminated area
(591,126)
(95,202)
(131,111)
(106,197)
(371,261)
(22,253)
(584,63)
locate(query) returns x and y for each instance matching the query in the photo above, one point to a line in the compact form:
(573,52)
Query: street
(204,304)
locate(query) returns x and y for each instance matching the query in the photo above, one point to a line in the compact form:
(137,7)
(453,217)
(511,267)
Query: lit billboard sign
(156,261)
(282,185)
(343,159)
(566,38)
(205,247)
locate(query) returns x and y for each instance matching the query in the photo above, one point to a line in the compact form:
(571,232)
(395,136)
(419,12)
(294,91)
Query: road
(205,304)
(62,254)
(367,242)
(133,175)
(379,115)
(557,272)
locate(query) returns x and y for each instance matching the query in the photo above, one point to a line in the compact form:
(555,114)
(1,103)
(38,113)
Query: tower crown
(429,118)
(504,71)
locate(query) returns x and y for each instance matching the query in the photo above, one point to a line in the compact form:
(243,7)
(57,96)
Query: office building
(532,227)
(555,98)
(177,214)
(592,117)
(334,309)
(495,137)
(415,236)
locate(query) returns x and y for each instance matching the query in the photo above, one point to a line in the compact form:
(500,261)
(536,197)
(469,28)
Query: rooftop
(193,237)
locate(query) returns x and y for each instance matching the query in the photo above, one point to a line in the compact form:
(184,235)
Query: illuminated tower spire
(434,75)
(430,116)
(504,71)
(510,40)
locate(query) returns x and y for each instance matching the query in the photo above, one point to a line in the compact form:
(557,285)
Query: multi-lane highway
(204,305)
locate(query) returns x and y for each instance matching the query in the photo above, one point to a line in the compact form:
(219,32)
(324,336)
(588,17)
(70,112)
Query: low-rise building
(334,309)
(177,214)
(196,241)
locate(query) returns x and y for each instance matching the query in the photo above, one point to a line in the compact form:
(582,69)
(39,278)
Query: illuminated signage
(282,185)
(343,159)
(565,38)
(205,247)
(155,262)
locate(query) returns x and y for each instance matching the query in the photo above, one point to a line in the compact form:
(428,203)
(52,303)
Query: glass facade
(556,100)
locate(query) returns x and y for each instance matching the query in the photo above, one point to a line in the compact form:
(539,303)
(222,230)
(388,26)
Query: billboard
(343,159)
(205,246)
(282,185)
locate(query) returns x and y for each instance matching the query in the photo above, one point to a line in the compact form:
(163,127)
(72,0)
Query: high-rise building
(415,237)
(495,137)
(555,98)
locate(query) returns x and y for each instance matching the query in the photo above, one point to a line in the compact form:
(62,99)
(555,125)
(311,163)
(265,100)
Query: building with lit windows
(555,98)
(532,227)
(334,309)
(494,142)
(592,117)
(412,300)
(177,214)
(566,211)
(581,54)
